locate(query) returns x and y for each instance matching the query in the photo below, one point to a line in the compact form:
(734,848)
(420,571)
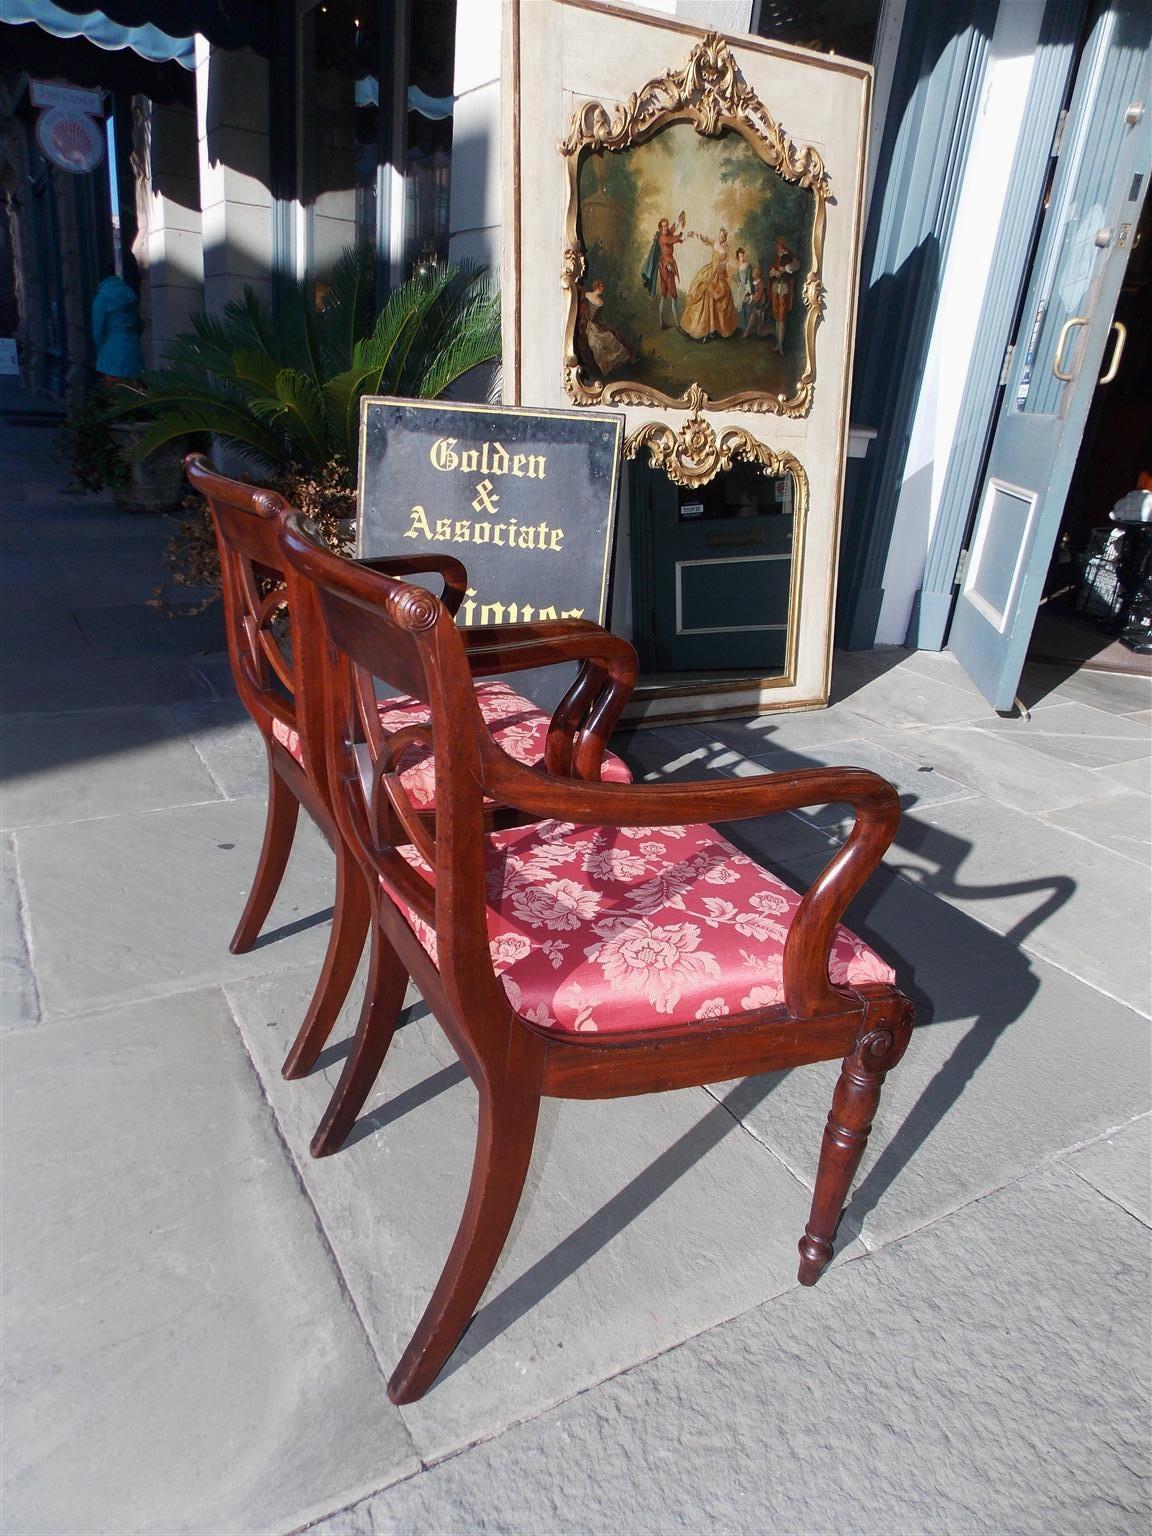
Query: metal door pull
(1065,331)
(1117,352)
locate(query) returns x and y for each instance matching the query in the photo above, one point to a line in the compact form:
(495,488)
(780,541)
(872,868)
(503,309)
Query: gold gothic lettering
(488,459)
(472,612)
(513,534)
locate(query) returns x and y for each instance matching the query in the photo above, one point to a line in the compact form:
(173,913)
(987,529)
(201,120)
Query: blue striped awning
(148,40)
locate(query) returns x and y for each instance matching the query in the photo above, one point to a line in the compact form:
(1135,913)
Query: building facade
(1004,265)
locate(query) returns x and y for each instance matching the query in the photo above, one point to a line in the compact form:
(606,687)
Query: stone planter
(156,483)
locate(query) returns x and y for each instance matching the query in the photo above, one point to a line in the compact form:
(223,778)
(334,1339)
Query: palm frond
(297,408)
(342,396)
(289,388)
(348,313)
(241,428)
(250,323)
(474,339)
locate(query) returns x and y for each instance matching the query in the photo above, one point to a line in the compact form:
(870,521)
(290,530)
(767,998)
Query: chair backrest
(258,605)
(252,586)
(357,627)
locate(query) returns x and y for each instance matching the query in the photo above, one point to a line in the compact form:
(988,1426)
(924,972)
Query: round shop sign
(71,139)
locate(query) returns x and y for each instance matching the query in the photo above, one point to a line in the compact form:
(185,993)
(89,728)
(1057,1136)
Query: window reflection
(846,27)
(346,143)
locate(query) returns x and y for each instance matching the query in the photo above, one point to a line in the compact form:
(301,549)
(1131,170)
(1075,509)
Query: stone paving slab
(1122,822)
(645,1220)
(1080,734)
(18,1003)
(1055,894)
(1120,1167)
(105,762)
(1135,775)
(180,1355)
(1003,767)
(27,634)
(229,744)
(50,684)
(137,906)
(885,1402)
(1012,1062)
(1042,685)
(792,730)
(918,784)
(133,629)
(666,751)
(873,685)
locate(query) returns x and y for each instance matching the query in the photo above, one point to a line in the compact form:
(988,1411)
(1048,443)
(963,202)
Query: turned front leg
(845,1137)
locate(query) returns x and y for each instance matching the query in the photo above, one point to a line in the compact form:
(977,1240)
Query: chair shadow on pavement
(996,981)
(951,965)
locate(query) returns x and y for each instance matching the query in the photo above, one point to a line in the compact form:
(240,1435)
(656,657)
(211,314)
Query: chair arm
(807,990)
(488,636)
(587,714)
(452,572)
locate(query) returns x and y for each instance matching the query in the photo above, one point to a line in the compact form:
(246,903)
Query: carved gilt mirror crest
(693,244)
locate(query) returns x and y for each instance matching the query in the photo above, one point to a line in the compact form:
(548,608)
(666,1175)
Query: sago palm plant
(286,390)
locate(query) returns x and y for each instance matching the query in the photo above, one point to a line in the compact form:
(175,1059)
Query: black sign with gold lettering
(526,499)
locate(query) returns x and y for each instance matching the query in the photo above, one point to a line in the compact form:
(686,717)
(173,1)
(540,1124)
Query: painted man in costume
(660,272)
(782,287)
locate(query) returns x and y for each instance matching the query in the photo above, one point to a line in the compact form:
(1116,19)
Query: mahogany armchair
(615,945)
(260,623)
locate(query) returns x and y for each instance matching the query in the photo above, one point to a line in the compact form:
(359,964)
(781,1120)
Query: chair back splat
(609,942)
(372,628)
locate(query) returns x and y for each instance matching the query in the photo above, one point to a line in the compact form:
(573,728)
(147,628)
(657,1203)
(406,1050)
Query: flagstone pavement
(198,1320)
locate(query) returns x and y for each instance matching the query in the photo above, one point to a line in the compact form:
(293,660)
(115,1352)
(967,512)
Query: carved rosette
(884,1041)
(710,94)
(698,453)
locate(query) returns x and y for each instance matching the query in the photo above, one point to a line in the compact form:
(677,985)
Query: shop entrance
(1068,346)
(1093,605)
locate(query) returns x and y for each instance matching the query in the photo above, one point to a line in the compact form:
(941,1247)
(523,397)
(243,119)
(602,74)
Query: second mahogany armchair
(612,943)
(261,637)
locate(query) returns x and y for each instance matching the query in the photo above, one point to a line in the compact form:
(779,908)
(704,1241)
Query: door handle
(1117,353)
(1065,331)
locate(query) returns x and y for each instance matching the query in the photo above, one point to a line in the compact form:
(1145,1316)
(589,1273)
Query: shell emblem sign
(70,139)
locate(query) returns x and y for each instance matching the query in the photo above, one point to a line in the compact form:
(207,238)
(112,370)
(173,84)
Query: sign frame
(610,420)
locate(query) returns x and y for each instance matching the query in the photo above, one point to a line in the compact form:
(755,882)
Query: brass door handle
(1117,353)
(1065,331)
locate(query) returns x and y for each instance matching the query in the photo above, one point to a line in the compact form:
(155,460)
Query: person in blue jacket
(116,329)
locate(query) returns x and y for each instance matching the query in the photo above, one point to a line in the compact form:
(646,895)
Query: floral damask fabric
(623,928)
(517,725)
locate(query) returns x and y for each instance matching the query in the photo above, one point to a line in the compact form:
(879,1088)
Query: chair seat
(638,928)
(516,723)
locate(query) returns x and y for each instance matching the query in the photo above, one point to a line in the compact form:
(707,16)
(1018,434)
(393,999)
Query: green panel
(733,593)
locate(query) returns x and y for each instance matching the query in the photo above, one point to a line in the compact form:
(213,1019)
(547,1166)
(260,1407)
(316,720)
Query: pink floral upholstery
(625,928)
(519,727)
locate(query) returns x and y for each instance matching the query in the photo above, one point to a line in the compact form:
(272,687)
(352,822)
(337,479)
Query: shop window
(846,27)
(340,59)
(350,137)
(428,150)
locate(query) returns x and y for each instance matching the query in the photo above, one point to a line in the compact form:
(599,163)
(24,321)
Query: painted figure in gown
(708,307)
(599,347)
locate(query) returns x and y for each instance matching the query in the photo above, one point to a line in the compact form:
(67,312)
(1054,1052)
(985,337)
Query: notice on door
(525,499)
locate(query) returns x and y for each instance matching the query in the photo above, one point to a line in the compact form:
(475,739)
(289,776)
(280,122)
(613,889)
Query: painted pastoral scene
(696,254)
